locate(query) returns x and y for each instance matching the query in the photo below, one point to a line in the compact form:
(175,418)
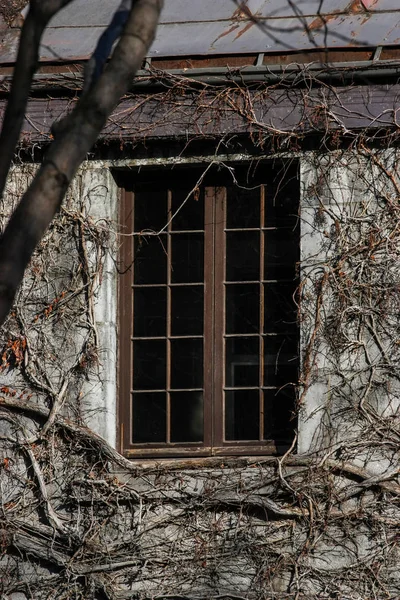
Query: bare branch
(75,136)
(28,54)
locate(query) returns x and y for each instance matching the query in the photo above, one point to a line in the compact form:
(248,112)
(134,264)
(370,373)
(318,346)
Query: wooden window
(208,317)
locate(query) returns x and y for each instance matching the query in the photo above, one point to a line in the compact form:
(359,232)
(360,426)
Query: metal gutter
(343,72)
(146,79)
(339,73)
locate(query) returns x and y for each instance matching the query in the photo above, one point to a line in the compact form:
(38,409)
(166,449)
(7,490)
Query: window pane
(150,261)
(242,361)
(149,418)
(242,308)
(191,215)
(280,360)
(186,364)
(187,310)
(242,416)
(149,310)
(281,207)
(243,208)
(243,255)
(280,311)
(150,210)
(186,416)
(149,364)
(187,258)
(281,254)
(278,413)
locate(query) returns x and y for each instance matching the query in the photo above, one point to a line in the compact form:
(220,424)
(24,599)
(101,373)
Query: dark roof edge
(343,73)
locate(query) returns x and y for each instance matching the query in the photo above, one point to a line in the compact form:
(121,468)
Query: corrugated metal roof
(207,27)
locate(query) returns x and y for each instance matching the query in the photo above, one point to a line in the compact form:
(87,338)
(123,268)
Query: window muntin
(210,331)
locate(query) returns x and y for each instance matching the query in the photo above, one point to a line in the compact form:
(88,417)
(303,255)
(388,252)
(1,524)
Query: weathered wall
(100,196)
(78,521)
(350,260)
(77,258)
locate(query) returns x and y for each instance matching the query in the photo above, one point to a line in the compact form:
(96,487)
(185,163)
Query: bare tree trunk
(40,13)
(74,137)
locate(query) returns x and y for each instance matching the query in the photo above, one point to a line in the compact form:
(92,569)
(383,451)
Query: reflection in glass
(187,416)
(150,210)
(242,308)
(243,208)
(281,254)
(280,360)
(281,205)
(280,311)
(242,415)
(150,305)
(191,215)
(186,364)
(278,413)
(149,364)
(149,417)
(187,310)
(243,255)
(150,259)
(187,258)
(242,362)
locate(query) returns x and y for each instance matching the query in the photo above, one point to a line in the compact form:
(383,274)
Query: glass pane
(150,262)
(281,254)
(149,310)
(243,208)
(149,418)
(150,210)
(191,215)
(280,360)
(242,308)
(243,255)
(242,416)
(278,413)
(187,310)
(186,364)
(186,416)
(281,207)
(187,258)
(280,311)
(149,364)
(242,361)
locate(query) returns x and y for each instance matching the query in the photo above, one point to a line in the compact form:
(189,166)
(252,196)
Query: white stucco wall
(345,194)
(101,195)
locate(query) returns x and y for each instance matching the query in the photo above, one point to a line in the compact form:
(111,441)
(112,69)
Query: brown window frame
(214,444)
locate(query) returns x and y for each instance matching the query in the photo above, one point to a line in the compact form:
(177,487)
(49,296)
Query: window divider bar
(261,342)
(208,350)
(125,303)
(168,341)
(219,314)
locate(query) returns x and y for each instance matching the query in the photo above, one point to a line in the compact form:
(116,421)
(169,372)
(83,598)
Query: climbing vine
(79,521)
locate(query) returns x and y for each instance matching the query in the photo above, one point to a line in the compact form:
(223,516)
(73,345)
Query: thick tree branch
(74,139)
(39,14)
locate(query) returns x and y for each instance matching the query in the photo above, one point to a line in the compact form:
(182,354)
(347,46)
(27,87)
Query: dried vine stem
(79,521)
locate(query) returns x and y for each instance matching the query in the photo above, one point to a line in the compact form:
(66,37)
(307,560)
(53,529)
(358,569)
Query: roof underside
(225,27)
(280,112)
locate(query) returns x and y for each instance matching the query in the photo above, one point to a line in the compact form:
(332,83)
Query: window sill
(198,462)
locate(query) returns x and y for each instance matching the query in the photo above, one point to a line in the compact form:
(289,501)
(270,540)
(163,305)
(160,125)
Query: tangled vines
(78,521)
